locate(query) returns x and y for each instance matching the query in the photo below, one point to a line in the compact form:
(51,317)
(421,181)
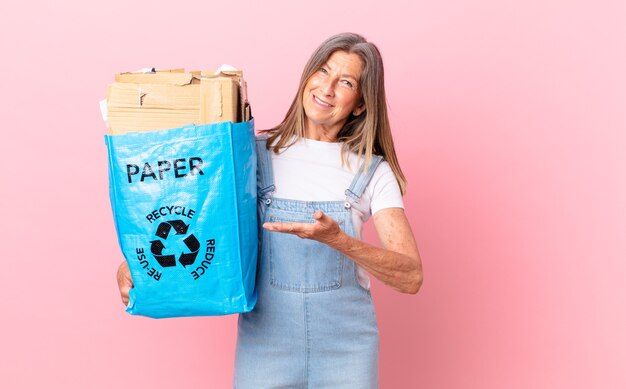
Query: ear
(359,109)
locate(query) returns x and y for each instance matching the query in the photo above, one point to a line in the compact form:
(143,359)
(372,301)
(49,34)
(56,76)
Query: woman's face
(332,93)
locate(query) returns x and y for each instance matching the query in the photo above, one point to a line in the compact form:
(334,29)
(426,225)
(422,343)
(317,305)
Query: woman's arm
(397,264)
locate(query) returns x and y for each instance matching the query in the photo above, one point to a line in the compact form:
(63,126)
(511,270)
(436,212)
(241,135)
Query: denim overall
(314,325)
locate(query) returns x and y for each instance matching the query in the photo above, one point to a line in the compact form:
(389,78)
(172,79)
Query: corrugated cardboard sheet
(173,98)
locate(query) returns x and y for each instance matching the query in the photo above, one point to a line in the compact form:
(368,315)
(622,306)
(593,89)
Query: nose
(327,86)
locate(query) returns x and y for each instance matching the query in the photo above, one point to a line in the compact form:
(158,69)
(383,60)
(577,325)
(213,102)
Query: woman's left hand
(397,263)
(325,229)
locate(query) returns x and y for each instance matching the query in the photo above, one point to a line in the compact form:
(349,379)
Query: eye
(347,83)
(323,70)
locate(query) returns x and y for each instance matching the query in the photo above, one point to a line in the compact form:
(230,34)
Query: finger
(125,280)
(291,228)
(322,218)
(124,293)
(274,226)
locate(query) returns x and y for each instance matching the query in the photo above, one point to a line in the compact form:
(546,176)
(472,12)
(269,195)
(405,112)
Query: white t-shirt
(312,170)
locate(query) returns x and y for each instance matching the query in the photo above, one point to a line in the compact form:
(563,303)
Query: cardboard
(156,100)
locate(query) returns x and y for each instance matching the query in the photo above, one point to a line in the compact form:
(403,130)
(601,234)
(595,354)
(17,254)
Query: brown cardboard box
(174,98)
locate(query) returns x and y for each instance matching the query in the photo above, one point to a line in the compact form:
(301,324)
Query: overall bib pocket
(302,265)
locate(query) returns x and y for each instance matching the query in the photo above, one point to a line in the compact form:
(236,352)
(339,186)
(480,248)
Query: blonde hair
(366,134)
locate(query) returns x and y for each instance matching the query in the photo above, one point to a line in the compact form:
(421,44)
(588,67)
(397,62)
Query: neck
(321,133)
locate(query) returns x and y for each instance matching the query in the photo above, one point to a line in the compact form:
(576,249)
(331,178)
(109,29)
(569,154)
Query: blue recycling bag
(184,205)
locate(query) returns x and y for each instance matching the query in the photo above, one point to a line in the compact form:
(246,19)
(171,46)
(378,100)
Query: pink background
(510,122)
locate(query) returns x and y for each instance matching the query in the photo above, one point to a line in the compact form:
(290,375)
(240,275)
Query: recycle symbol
(163,232)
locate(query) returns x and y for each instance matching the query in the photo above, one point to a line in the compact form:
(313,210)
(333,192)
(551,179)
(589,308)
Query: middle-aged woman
(322,173)
(314,324)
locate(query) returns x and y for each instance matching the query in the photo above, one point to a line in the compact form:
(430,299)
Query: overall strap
(264,175)
(361,180)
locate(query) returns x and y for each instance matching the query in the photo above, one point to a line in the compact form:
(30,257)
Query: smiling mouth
(321,102)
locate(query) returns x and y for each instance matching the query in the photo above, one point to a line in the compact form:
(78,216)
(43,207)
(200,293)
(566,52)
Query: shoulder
(262,137)
(384,189)
(383,175)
